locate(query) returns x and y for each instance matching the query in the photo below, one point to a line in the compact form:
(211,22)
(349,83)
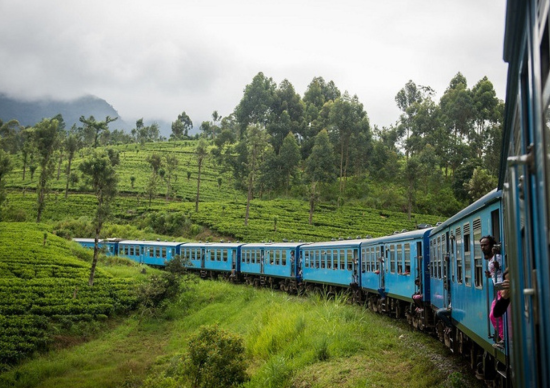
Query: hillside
(221,207)
(44,290)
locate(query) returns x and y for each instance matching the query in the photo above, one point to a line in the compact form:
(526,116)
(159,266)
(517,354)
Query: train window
(478,257)
(373,259)
(432,258)
(351,258)
(164,253)
(132,250)
(400,257)
(458,255)
(438,255)
(317,259)
(467,256)
(328,258)
(342,259)
(407,254)
(283,259)
(391,258)
(277,255)
(323,259)
(306,259)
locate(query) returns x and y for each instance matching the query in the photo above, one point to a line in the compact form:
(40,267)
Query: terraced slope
(43,284)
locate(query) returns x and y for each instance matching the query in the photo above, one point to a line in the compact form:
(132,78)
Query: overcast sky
(155,59)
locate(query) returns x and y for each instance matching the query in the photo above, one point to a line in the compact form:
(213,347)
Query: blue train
(525,184)
(436,277)
(410,274)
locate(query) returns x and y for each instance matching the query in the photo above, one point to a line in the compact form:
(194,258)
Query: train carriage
(393,275)
(149,252)
(525,182)
(272,264)
(334,264)
(107,246)
(213,259)
(457,278)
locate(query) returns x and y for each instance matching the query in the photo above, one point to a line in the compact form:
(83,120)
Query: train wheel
(440,330)
(373,305)
(398,309)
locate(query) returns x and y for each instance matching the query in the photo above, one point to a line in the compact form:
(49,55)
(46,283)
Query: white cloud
(156,59)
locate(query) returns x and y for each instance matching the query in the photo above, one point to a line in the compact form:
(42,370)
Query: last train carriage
(525,183)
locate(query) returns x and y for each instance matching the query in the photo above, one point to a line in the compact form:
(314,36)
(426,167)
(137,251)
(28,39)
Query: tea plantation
(44,286)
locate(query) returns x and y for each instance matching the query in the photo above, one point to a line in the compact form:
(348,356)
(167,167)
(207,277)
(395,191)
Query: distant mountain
(31,112)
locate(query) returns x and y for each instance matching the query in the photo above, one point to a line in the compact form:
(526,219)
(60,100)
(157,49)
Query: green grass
(290,342)
(44,290)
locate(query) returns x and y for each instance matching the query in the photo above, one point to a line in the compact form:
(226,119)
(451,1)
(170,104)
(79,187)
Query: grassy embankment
(290,342)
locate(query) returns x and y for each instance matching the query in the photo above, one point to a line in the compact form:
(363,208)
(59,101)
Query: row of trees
(46,144)
(276,142)
(433,151)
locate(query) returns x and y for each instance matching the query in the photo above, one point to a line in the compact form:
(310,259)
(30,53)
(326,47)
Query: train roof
(153,243)
(92,240)
(275,244)
(211,245)
(487,199)
(404,236)
(336,243)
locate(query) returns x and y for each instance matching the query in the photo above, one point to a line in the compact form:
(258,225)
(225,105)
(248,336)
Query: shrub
(215,359)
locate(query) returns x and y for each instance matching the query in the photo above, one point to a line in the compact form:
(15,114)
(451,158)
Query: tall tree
(347,119)
(171,165)
(47,142)
(201,152)
(27,148)
(155,161)
(317,100)
(290,158)
(99,172)
(288,114)
(458,112)
(256,141)
(5,168)
(256,106)
(487,114)
(181,127)
(96,127)
(9,133)
(71,146)
(319,168)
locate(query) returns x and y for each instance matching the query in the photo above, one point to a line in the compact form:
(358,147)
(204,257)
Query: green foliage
(215,359)
(43,285)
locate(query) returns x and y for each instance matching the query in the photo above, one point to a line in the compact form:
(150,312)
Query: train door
(445,257)
(233,260)
(355,267)
(203,258)
(293,263)
(382,273)
(521,225)
(419,268)
(262,259)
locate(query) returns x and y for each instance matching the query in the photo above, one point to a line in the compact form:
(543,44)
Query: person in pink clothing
(494,272)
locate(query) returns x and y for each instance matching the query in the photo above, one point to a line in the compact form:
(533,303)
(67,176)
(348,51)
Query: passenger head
(487,243)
